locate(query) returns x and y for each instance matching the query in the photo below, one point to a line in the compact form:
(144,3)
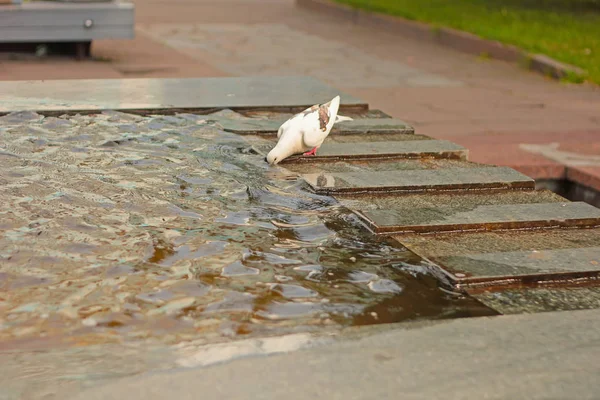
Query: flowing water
(121,228)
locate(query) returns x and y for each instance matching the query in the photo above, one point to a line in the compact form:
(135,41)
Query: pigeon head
(272,158)
(284,148)
(276,155)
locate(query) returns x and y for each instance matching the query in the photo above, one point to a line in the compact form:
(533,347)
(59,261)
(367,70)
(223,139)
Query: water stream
(118,228)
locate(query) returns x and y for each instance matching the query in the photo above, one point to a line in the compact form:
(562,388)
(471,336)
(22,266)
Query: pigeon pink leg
(313,152)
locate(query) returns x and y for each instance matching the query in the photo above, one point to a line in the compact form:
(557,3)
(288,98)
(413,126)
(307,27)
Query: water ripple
(121,226)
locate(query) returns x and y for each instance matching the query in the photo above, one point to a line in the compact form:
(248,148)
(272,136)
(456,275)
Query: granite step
(471,212)
(418,180)
(269,127)
(338,149)
(508,258)
(578,296)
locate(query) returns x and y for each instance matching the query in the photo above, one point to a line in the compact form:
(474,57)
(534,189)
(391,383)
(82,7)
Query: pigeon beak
(270,159)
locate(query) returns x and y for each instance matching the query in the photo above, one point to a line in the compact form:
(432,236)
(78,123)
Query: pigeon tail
(342,118)
(334,106)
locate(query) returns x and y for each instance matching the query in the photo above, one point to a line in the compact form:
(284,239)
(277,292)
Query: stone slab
(363,125)
(283,92)
(390,149)
(264,143)
(482,218)
(451,201)
(374,150)
(540,299)
(510,257)
(410,181)
(389,166)
(536,357)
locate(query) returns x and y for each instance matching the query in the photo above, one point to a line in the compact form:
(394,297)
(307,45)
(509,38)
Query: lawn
(567,30)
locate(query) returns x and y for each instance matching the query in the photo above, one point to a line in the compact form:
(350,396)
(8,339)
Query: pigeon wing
(314,127)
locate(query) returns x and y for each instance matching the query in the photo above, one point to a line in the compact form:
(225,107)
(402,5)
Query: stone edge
(467,284)
(441,228)
(455,39)
(349,103)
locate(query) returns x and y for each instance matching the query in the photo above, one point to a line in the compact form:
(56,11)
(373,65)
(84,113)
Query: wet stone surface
(484,217)
(391,167)
(369,147)
(117,227)
(415,176)
(264,144)
(282,115)
(383,213)
(532,300)
(362,126)
(493,255)
(157,94)
(451,201)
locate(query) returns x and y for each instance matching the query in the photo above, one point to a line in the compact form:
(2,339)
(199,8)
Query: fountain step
(485,217)
(269,127)
(365,150)
(507,258)
(471,212)
(539,299)
(418,180)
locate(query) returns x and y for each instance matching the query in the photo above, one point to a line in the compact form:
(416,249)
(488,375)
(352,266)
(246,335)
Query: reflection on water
(120,227)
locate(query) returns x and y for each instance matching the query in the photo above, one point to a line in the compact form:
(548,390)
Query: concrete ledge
(542,356)
(482,218)
(580,183)
(168,96)
(458,40)
(371,150)
(418,180)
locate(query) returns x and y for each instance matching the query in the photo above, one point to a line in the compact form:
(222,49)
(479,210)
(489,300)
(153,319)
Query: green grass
(566,30)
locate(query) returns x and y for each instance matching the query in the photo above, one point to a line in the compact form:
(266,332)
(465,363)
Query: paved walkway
(541,356)
(503,114)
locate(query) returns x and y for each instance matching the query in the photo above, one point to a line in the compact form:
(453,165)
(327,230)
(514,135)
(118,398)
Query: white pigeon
(306,131)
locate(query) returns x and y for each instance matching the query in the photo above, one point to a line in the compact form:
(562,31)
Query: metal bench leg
(83,50)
